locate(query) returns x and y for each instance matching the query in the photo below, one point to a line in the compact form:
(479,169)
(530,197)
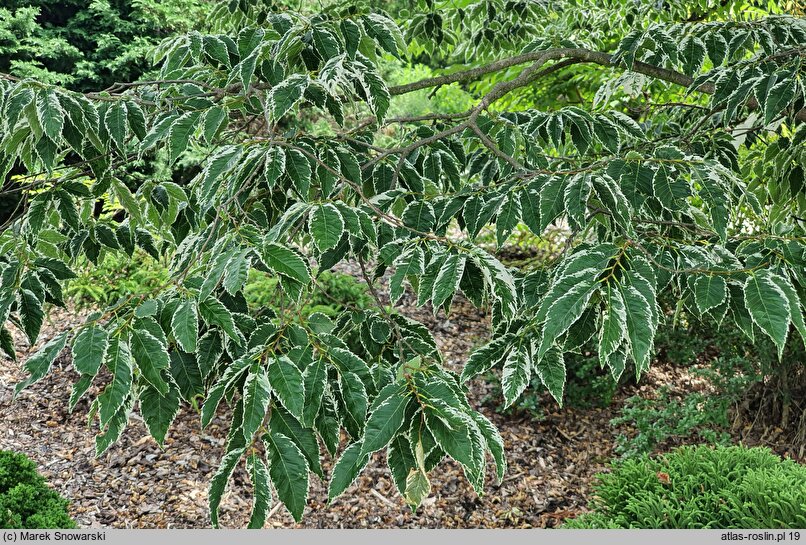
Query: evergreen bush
(25,499)
(700,487)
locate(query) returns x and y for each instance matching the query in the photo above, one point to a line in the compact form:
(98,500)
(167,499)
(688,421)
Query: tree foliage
(683,172)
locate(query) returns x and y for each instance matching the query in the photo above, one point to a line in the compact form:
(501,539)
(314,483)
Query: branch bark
(571,56)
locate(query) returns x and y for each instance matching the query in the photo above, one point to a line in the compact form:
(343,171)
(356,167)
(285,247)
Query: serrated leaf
(185,325)
(286,94)
(346,470)
(419,215)
(354,394)
(447,280)
(384,422)
(256,394)
(51,114)
(209,352)
(303,437)
(286,262)
(288,471)
(31,314)
(213,312)
(768,307)
(179,134)
(485,358)
(326,226)
(314,379)
(116,123)
(551,371)
(151,357)
(119,362)
(614,323)
(219,481)
(159,411)
(287,385)
(39,364)
(640,328)
(564,310)
(516,375)
(89,349)
(259,475)
(400,459)
(709,292)
(187,375)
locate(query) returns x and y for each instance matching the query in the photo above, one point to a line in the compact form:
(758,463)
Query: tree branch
(574,55)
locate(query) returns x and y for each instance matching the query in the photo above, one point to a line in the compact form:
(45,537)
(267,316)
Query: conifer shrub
(700,487)
(25,499)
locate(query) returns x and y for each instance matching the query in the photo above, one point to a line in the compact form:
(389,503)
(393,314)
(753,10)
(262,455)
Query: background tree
(682,174)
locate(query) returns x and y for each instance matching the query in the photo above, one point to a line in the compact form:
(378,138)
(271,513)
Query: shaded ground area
(552,462)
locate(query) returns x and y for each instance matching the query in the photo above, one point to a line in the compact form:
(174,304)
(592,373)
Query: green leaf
(551,371)
(286,262)
(419,215)
(400,459)
(314,379)
(151,357)
(236,273)
(179,134)
(640,327)
(384,422)
(777,97)
(417,487)
(346,470)
(116,123)
(516,375)
(795,307)
(51,114)
(259,475)
(485,358)
(89,349)
(614,324)
(185,325)
(288,471)
(495,443)
(209,352)
(7,343)
(213,312)
(115,428)
(59,268)
(186,374)
(768,307)
(356,403)
(450,429)
(385,32)
(119,362)
(304,438)
(299,170)
(565,310)
(551,201)
(31,314)
(447,281)
(709,292)
(287,384)
(256,393)
(219,481)
(326,226)
(158,411)
(286,94)
(39,364)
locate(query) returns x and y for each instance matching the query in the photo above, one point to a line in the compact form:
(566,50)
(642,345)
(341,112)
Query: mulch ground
(552,461)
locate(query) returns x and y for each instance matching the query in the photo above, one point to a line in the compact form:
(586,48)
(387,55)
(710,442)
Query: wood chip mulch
(552,462)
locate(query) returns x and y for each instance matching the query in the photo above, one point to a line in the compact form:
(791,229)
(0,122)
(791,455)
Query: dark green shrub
(700,487)
(88,46)
(25,499)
